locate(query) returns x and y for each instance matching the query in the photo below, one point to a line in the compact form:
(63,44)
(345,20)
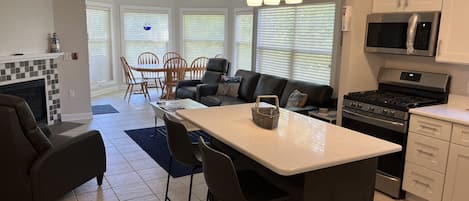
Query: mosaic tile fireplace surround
(46,69)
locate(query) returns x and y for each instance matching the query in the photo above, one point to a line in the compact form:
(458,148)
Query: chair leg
(148,93)
(127,91)
(131,92)
(167,181)
(190,185)
(99,179)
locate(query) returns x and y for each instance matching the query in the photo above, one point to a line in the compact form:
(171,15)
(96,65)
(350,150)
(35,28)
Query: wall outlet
(71,93)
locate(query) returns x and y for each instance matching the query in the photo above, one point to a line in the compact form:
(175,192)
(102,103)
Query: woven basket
(266,117)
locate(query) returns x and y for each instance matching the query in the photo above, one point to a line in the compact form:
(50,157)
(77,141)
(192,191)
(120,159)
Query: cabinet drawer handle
(421,183)
(428,128)
(406,3)
(399,3)
(425,152)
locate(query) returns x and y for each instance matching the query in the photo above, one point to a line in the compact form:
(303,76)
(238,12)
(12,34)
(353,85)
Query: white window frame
(235,37)
(145,9)
(203,11)
(336,51)
(114,63)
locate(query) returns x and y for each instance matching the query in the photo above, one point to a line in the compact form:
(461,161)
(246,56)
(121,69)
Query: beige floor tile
(115,158)
(136,155)
(124,179)
(158,186)
(132,147)
(143,164)
(152,173)
(100,195)
(179,194)
(91,186)
(118,168)
(146,198)
(132,191)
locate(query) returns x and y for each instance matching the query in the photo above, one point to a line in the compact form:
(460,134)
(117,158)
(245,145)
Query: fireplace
(34,92)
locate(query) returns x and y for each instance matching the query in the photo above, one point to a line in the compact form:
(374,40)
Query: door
(453,40)
(387,6)
(457,174)
(422,5)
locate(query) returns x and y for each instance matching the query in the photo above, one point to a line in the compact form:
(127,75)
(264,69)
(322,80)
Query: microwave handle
(411,32)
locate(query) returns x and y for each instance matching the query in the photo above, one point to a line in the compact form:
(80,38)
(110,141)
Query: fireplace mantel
(29,57)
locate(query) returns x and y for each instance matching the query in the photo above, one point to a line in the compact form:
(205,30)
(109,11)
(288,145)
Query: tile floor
(131,173)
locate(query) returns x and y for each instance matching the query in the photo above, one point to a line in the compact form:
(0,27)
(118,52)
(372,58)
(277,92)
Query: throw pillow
(229,86)
(297,99)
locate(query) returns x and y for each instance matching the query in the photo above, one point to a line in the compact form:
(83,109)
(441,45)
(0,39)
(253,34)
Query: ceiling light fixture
(256,3)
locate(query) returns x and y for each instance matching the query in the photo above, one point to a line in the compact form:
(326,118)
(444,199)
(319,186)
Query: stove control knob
(372,109)
(385,111)
(393,112)
(360,106)
(353,104)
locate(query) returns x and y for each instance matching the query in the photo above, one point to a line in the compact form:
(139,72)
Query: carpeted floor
(153,141)
(103,109)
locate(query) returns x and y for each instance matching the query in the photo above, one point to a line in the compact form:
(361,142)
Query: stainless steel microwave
(403,33)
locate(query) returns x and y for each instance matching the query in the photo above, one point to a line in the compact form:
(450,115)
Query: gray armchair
(37,167)
(194,89)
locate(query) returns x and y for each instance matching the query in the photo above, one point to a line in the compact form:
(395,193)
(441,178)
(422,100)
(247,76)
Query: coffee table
(170,107)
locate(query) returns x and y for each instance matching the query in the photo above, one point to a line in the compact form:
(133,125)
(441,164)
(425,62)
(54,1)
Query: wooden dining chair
(198,68)
(219,56)
(153,78)
(175,70)
(131,81)
(170,55)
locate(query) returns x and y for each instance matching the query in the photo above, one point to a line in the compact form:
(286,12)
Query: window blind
(99,45)
(204,35)
(243,40)
(296,42)
(137,40)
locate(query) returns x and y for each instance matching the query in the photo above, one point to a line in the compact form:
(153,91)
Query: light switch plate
(67,56)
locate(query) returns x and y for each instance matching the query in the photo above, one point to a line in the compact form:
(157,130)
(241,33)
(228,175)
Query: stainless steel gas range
(384,114)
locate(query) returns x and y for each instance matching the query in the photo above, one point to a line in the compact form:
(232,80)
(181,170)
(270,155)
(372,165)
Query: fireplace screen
(34,94)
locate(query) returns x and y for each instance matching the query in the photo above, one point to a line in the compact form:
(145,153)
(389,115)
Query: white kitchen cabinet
(457,175)
(431,127)
(453,38)
(428,152)
(392,6)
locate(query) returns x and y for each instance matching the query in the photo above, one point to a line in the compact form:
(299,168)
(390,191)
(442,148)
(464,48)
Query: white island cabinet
(437,159)
(393,6)
(453,38)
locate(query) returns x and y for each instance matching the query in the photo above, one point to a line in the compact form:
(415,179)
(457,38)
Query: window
(296,42)
(203,34)
(153,38)
(243,40)
(99,45)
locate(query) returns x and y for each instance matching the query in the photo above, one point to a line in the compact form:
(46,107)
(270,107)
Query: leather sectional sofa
(254,84)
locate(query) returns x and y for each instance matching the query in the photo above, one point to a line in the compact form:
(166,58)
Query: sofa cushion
(33,133)
(270,85)
(220,100)
(318,95)
(187,92)
(248,84)
(297,99)
(211,77)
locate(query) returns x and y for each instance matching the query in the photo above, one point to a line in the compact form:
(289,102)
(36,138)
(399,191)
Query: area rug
(153,141)
(103,109)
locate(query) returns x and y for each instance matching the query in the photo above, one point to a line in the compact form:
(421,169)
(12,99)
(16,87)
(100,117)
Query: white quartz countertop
(456,111)
(300,144)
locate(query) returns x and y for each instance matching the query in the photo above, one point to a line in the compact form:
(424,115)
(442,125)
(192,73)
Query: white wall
(70,25)
(25,25)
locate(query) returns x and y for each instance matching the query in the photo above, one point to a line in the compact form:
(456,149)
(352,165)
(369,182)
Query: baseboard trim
(77,116)
(104,91)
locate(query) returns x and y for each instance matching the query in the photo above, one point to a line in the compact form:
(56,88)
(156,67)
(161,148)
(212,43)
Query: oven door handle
(396,126)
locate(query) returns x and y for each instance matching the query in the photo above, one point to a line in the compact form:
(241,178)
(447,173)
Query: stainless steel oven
(390,167)
(403,33)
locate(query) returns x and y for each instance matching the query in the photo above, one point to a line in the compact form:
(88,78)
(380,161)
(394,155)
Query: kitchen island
(333,163)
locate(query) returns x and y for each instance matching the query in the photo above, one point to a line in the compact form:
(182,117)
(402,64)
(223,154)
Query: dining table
(321,161)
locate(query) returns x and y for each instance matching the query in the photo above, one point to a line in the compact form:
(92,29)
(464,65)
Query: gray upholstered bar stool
(181,149)
(226,184)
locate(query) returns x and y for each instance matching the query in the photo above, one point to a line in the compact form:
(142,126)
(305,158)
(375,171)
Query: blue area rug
(153,141)
(103,109)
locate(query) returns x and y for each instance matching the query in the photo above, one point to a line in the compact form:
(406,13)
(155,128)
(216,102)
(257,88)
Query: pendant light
(272,2)
(254,3)
(293,1)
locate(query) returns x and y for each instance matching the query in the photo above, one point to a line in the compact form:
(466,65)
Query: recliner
(193,89)
(36,167)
